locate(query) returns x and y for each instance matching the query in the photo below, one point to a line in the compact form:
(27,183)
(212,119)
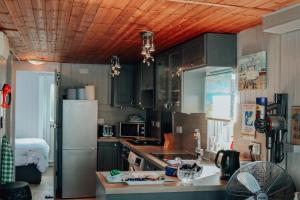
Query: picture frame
(252,71)
(247,122)
(295,125)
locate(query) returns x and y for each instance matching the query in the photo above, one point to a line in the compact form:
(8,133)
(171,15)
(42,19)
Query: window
(219,134)
(219,105)
(219,94)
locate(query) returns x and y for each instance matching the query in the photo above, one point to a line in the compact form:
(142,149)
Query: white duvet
(32,150)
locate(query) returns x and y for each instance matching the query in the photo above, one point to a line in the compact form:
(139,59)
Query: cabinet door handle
(115,145)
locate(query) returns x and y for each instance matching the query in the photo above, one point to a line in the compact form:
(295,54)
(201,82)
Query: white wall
(283,54)
(3,79)
(98,75)
(251,41)
(27,105)
(290,83)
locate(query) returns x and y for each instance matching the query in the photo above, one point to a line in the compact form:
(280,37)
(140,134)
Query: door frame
(44,121)
(26,66)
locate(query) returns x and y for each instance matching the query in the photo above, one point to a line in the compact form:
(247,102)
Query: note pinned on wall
(252,70)
(248,119)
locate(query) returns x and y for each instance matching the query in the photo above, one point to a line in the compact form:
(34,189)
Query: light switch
(255,148)
(179,129)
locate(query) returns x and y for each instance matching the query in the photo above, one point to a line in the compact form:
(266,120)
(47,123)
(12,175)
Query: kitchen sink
(172,156)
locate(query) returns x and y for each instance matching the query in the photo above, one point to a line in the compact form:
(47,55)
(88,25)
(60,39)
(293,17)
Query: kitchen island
(207,188)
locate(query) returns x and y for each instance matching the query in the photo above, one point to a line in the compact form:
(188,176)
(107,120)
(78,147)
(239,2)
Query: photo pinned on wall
(248,119)
(295,139)
(252,71)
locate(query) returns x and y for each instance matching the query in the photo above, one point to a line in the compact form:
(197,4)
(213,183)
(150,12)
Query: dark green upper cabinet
(168,79)
(193,52)
(175,63)
(162,80)
(123,87)
(145,86)
(210,49)
(147,77)
(220,49)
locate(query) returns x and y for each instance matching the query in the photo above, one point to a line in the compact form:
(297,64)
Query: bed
(31,159)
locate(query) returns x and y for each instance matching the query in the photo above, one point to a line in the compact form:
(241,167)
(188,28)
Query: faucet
(198,150)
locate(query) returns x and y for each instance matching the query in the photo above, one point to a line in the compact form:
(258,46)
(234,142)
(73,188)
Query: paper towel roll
(71,93)
(81,94)
(90,92)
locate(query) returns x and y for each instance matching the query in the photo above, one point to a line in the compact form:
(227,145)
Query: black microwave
(132,129)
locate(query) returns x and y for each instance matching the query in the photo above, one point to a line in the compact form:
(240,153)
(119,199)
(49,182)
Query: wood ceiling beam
(219,5)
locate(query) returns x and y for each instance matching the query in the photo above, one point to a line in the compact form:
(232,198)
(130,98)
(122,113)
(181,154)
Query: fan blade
(250,198)
(249,181)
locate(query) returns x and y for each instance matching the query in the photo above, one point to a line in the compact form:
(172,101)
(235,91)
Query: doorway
(34,131)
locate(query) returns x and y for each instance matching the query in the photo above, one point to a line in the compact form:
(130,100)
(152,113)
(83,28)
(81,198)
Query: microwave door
(129,130)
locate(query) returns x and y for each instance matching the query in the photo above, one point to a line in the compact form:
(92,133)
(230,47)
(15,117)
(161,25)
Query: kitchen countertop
(145,151)
(210,183)
(206,188)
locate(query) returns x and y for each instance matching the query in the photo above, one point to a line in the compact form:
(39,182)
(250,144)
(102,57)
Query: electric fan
(260,180)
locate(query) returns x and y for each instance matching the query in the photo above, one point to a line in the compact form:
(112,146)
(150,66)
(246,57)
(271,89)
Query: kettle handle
(217,157)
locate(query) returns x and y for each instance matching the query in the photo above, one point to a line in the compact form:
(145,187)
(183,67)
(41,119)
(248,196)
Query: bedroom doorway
(34,131)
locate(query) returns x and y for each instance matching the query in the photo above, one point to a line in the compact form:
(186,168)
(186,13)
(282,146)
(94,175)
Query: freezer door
(79,124)
(78,173)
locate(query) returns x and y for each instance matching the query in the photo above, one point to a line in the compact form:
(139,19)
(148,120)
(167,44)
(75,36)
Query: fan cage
(273,180)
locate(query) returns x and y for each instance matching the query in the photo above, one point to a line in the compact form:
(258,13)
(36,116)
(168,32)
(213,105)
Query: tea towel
(7,165)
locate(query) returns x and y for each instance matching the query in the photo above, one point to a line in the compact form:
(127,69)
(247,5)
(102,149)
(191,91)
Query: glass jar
(188,171)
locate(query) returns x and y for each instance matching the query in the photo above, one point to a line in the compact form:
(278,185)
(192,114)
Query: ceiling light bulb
(36,62)
(143,51)
(147,45)
(152,48)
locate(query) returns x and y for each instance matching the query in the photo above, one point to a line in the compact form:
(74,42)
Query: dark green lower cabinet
(109,156)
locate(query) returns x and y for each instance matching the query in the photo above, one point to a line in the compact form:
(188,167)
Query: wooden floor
(39,192)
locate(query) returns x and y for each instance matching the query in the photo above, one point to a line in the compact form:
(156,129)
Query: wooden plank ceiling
(90,31)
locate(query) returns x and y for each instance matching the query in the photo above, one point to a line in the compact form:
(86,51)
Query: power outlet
(255,148)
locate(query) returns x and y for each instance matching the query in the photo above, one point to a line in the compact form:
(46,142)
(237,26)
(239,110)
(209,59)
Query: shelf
(293,148)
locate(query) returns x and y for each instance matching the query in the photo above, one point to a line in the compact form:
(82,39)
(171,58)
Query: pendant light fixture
(148,46)
(115,66)
(36,62)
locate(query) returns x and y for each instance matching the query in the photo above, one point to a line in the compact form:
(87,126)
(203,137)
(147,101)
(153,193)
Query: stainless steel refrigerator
(79,148)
